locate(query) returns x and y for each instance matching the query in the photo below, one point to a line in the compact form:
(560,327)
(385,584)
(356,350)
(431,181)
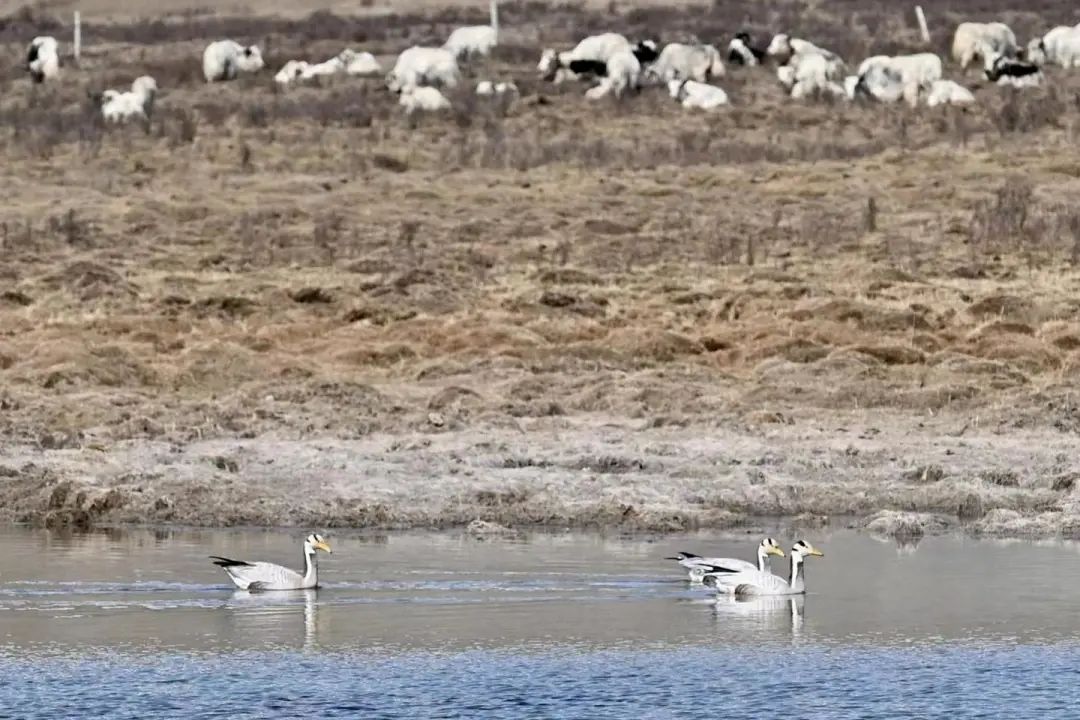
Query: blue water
(968,682)
(436,626)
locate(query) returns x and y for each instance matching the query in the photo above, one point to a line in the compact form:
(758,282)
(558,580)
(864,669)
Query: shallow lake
(139,624)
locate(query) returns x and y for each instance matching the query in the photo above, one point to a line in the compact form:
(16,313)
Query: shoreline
(906,479)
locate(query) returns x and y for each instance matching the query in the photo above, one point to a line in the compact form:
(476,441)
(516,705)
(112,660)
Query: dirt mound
(1005,307)
(654,345)
(90,281)
(865,316)
(892,354)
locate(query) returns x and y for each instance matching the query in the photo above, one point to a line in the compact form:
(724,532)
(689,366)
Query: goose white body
(256,576)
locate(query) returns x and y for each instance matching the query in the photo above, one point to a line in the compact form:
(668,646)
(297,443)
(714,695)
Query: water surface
(140,624)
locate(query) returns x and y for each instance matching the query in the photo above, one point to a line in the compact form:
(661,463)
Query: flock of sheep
(614,65)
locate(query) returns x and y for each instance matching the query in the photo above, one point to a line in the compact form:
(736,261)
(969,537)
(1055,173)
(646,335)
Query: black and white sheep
(588,57)
(225,59)
(1009,71)
(43,59)
(742,52)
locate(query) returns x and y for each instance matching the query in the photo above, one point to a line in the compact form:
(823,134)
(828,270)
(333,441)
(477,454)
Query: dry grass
(818,255)
(551,259)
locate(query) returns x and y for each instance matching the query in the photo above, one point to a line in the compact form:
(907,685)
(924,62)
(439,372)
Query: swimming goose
(756,582)
(699,566)
(268,576)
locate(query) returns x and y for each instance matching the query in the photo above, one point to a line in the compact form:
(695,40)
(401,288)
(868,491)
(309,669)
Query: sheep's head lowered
(250,59)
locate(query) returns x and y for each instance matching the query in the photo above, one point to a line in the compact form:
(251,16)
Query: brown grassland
(304,307)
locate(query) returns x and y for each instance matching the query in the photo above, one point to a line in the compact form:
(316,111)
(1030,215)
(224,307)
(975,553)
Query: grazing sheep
(623,73)
(43,59)
(422,98)
(1060,46)
(424,66)
(807,75)
(225,59)
(590,54)
(359,63)
(478,40)
(784,46)
(1007,71)
(920,68)
(741,52)
(697,95)
(487,88)
(138,102)
(687,62)
(970,36)
(290,72)
(947,92)
(885,83)
(347,62)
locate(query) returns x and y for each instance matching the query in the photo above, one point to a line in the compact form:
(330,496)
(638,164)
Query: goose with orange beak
(257,576)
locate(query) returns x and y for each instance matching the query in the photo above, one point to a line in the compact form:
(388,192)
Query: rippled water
(140,624)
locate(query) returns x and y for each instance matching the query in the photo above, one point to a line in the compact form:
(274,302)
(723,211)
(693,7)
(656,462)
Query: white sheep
(43,58)
(1060,46)
(806,75)
(623,73)
(919,68)
(785,46)
(885,83)
(947,92)
(347,62)
(424,66)
(225,59)
(969,36)
(360,63)
(678,61)
(476,39)
(589,55)
(422,98)
(290,72)
(119,106)
(487,88)
(692,94)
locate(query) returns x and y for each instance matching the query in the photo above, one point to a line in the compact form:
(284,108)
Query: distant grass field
(554,257)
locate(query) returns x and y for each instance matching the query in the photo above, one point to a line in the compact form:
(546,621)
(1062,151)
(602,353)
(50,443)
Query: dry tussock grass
(548,258)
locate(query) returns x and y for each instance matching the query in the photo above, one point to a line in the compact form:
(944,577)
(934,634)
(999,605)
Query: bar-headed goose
(268,576)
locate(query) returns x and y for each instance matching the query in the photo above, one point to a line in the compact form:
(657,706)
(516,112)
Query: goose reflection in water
(274,616)
(764,613)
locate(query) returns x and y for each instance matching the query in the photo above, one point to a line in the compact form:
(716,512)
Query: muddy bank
(896,475)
